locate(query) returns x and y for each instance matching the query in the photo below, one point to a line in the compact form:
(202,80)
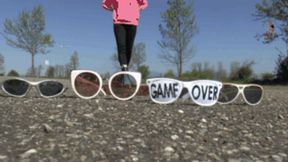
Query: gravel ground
(71,129)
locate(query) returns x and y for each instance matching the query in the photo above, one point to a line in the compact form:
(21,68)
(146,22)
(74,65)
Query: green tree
(202,71)
(267,76)
(13,73)
(243,72)
(50,73)
(169,74)
(282,68)
(144,70)
(27,33)
(177,29)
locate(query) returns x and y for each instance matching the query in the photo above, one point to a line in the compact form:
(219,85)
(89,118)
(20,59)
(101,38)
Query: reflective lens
(87,84)
(164,90)
(16,87)
(227,93)
(253,94)
(123,85)
(50,88)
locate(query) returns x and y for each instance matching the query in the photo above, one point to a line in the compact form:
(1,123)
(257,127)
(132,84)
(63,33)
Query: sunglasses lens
(123,85)
(204,92)
(253,94)
(50,88)
(164,91)
(87,84)
(16,87)
(227,93)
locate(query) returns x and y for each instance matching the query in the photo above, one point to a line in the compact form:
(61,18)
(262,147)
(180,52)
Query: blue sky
(226,33)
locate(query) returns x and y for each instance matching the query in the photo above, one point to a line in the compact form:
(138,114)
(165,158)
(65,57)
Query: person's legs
(130,37)
(120,35)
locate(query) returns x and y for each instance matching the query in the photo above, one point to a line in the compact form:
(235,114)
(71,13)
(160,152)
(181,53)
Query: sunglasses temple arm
(103,92)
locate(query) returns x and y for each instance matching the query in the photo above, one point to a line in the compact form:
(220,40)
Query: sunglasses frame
(184,84)
(136,75)
(33,84)
(241,88)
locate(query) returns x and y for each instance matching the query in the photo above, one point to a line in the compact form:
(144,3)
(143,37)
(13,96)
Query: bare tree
(1,64)
(177,30)
(27,33)
(74,61)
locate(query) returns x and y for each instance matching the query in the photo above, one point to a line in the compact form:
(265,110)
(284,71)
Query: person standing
(126,14)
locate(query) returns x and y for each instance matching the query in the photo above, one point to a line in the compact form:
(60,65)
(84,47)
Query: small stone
(89,116)
(47,128)
(175,156)
(280,116)
(277,158)
(283,155)
(229,152)
(174,137)
(28,153)
(134,158)
(214,156)
(204,120)
(244,148)
(60,106)
(181,111)
(2,157)
(83,158)
(120,148)
(224,118)
(189,132)
(215,139)
(169,149)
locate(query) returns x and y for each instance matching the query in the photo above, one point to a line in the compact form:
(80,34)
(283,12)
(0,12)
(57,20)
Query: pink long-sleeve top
(125,11)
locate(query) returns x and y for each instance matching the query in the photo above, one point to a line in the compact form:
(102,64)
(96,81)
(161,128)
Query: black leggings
(125,35)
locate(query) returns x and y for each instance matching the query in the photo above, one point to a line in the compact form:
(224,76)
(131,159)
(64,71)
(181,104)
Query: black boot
(124,68)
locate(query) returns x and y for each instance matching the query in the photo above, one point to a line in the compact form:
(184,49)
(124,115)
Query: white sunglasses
(202,92)
(122,85)
(19,87)
(251,93)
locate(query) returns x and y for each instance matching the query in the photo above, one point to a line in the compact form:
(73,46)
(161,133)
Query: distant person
(126,15)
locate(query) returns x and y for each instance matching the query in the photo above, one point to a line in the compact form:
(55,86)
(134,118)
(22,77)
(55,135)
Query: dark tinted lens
(227,93)
(253,94)
(50,88)
(87,84)
(16,87)
(123,85)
